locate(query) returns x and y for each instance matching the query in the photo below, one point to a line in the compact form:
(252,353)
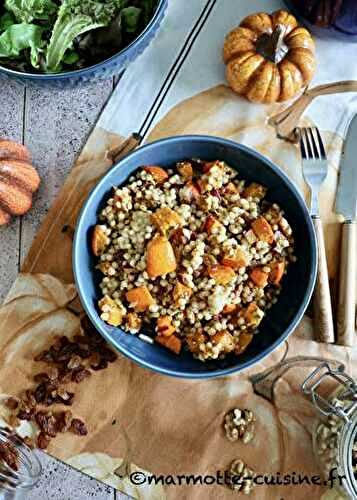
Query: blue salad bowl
(297,285)
(105,69)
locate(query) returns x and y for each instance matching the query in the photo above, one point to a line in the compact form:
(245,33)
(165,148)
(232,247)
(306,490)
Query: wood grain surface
(54,124)
(346,309)
(322,295)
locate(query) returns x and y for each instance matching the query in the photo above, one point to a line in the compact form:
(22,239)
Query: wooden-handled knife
(346,205)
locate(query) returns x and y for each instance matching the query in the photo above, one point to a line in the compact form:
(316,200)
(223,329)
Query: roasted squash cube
(263,230)
(243,342)
(224,339)
(159,174)
(222,275)
(160,257)
(140,298)
(100,240)
(259,277)
(164,326)
(112,312)
(238,258)
(172,343)
(255,190)
(181,292)
(165,218)
(276,272)
(253,315)
(185,169)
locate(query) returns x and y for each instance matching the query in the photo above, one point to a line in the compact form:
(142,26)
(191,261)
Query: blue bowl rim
(83,71)
(220,372)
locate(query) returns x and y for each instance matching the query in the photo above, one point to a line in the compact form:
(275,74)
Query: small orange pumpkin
(270,58)
(18,180)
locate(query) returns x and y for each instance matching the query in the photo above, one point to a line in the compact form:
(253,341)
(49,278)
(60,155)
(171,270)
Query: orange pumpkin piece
(140,298)
(224,339)
(269,57)
(185,169)
(255,190)
(211,225)
(222,275)
(276,272)
(190,192)
(243,342)
(230,188)
(115,312)
(253,315)
(181,292)
(99,240)
(160,257)
(230,309)
(158,173)
(172,343)
(238,259)
(259,277)
(165,218)
(164,326)
(263,230)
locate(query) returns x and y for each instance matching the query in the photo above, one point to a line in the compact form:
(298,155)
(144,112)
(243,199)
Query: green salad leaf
(26,11)
(75,17)
(6,20)
(131,19)
(19,37)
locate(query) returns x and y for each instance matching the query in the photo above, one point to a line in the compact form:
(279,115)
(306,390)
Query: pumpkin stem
(272,46)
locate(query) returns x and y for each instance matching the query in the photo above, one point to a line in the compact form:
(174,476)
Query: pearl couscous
(195,252)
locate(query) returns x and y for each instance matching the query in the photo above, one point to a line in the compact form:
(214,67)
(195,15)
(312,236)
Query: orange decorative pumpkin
(270,58)
(18,180)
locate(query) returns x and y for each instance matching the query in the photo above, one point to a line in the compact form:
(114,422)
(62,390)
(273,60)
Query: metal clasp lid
(313,381)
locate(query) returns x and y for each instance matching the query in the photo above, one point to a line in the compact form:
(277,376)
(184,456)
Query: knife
(346,205)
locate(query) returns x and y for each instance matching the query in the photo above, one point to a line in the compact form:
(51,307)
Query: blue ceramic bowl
(298,284)
(105,69)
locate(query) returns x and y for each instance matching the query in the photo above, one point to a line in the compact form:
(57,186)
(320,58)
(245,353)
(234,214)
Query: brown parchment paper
(155,423)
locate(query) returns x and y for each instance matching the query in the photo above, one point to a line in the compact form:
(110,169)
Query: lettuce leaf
(26,11)
(6,20)
(131,19)
(19,37)
(75,17)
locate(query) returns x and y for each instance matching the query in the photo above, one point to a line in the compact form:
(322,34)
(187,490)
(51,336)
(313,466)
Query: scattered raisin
(11,403)
(43,441)
(80,374)
(78,427)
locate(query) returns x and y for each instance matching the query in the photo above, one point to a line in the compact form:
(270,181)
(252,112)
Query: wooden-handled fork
(315,166)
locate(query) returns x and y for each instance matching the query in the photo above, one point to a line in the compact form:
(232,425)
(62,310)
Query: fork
(315,167)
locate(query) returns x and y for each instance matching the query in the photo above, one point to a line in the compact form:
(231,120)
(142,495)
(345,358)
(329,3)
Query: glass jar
(335,431)
(15,484)
(336,18)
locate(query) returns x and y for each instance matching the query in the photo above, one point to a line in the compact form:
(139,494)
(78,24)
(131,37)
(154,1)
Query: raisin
(40,393)
(78,427)
(43,441)
(9,455)
(74,362)
(11,403)
(40,377)
(64,419)
(65,397)
(80,374)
